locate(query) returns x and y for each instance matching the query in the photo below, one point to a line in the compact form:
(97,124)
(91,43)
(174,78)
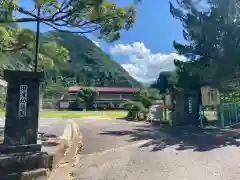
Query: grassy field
(79,114)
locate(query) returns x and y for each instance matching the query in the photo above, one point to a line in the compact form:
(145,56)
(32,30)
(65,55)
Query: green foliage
(57,53)
(14,39)
(140,93)
(53,90)
(55,48)
(89,66)
(153,94)
(19,43)
(77,102)
(88,95)
(188,80)
(136,110)
(213,41)
(110,105)
(142,97)
(2,100)
(104,18)
(139,108)
(166,81)
(146,101)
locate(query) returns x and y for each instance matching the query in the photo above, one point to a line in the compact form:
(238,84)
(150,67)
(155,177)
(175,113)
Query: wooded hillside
(88,64)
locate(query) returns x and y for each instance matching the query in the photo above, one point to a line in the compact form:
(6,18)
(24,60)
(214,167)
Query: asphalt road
(121,150)
(97,134)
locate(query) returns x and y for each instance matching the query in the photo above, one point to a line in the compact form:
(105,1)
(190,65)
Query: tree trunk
(89,105)
(165,109)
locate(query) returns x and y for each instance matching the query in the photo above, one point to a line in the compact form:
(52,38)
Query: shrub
(77,104)
(110,105)
(136,110)
(88,95)
(2,101)
(48,105)
(146,101)
(142,96)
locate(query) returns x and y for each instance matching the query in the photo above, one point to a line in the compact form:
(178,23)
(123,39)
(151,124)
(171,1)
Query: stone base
(6,149)
(38,174)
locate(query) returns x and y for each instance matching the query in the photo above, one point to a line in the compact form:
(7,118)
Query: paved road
(121,150)
(46,125)
(95,134)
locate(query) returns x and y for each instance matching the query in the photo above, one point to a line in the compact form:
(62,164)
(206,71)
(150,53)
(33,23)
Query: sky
(146,49)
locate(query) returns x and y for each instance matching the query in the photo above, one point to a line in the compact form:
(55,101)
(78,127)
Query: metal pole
(37,40)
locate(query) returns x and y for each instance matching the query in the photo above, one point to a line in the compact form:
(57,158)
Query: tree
(165,81)
(76,16)
(57,53)
(141,96)
(88,95)
(213,40)
(16,46)
(153,94)
(136,110)
(20,42)
(53,90)
(14,39)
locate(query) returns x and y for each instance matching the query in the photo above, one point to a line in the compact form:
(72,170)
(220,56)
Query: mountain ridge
(89,62)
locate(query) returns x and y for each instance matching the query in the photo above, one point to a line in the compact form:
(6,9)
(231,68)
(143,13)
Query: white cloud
(96,43)
(143,64)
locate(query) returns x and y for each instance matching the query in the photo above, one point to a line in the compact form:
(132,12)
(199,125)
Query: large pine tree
(213,34)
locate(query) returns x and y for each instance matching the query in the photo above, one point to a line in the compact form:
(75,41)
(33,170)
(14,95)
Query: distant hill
(88,63)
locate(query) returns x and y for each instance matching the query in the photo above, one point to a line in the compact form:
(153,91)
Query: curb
(67,133)
(45,163)
(70,158)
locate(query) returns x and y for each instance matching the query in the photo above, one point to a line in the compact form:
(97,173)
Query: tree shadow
(182,137)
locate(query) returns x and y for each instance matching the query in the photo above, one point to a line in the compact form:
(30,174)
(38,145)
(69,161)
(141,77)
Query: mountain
(89,65)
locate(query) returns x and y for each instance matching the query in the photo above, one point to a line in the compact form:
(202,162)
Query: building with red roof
(108,96)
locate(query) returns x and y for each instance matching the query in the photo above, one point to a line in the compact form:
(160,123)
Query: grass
(82,114)
(79,114)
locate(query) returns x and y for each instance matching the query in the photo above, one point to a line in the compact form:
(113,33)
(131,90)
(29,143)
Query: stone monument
(22,108)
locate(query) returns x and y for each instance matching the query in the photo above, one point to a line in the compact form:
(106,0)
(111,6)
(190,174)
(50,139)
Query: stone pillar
(22,107)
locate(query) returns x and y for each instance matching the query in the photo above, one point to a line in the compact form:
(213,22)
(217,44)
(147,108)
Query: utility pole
(37,36)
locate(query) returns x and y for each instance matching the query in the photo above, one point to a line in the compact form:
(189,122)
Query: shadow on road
(184,137)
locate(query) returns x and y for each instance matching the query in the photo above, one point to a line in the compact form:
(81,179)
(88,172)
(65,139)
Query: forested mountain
(88,64)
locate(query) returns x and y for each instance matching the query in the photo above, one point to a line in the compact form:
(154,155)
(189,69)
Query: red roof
(105,89)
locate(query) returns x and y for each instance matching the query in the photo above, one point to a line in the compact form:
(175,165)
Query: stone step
(18,163)
(38,174)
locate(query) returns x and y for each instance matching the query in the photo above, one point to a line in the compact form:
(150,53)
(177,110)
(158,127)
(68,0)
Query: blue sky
(147,48)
